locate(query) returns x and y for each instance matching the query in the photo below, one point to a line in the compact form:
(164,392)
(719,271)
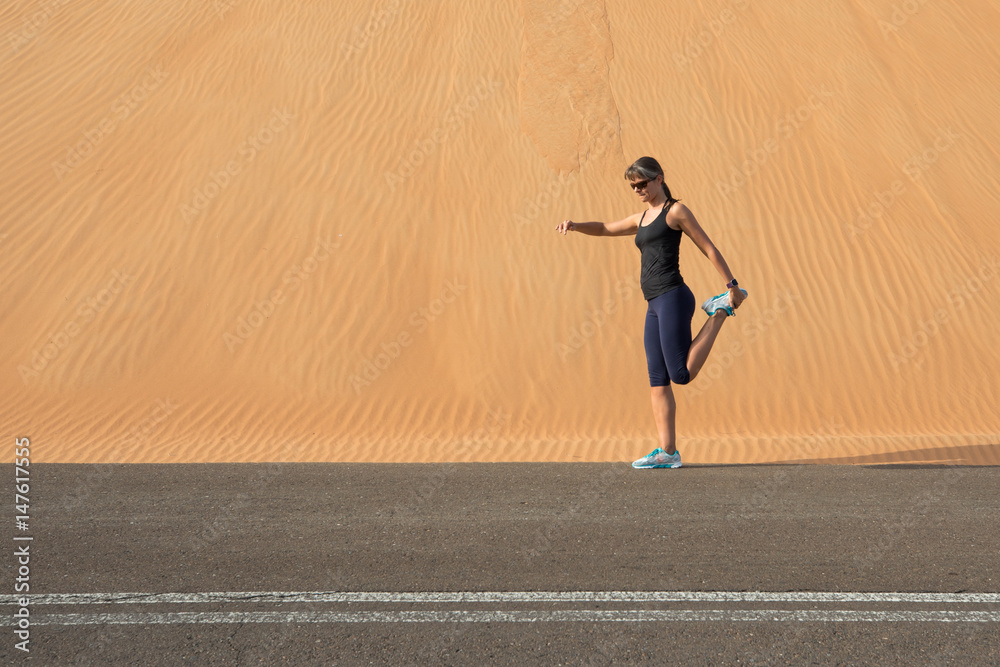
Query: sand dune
(248,231)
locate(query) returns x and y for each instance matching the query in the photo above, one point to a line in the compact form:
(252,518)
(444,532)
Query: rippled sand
(251,231)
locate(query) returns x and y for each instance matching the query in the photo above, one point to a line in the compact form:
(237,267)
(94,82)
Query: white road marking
(627,616)
(502,596)
(629,598)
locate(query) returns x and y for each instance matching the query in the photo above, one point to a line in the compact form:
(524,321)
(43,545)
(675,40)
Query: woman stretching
(671,354)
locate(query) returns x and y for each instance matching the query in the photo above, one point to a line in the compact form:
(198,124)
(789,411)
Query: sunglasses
(641,185)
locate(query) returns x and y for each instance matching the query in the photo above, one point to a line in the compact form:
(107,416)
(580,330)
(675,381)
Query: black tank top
(659,245)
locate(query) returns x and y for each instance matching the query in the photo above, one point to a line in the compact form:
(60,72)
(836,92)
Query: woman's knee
(682,376)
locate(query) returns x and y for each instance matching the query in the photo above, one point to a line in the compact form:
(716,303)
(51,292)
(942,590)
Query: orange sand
(257,231)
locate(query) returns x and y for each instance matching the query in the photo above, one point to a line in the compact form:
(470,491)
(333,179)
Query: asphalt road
(309,539)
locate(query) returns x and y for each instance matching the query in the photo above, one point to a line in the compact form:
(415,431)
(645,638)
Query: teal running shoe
(721,302)
(659,459)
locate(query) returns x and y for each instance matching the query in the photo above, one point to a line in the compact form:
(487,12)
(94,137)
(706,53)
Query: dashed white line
(587,615)
(955,614)
(504,596)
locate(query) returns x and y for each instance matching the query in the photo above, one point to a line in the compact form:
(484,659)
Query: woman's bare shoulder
(678,208)
(678,214)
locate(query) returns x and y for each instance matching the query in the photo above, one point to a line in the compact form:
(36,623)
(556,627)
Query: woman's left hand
(736,297)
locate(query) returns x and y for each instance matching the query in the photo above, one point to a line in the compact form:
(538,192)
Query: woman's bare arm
(685,219)
(624,227)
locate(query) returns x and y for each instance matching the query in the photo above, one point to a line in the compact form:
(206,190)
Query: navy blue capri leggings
(668,336)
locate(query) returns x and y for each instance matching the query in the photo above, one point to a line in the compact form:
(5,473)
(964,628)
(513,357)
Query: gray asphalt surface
(506,527)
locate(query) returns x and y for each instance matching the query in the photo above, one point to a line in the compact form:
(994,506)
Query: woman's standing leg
(682,356)
(672,356)
(659,379)
(667,339)
(664,414)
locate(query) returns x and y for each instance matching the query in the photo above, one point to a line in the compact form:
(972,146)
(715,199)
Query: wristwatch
(731,284)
